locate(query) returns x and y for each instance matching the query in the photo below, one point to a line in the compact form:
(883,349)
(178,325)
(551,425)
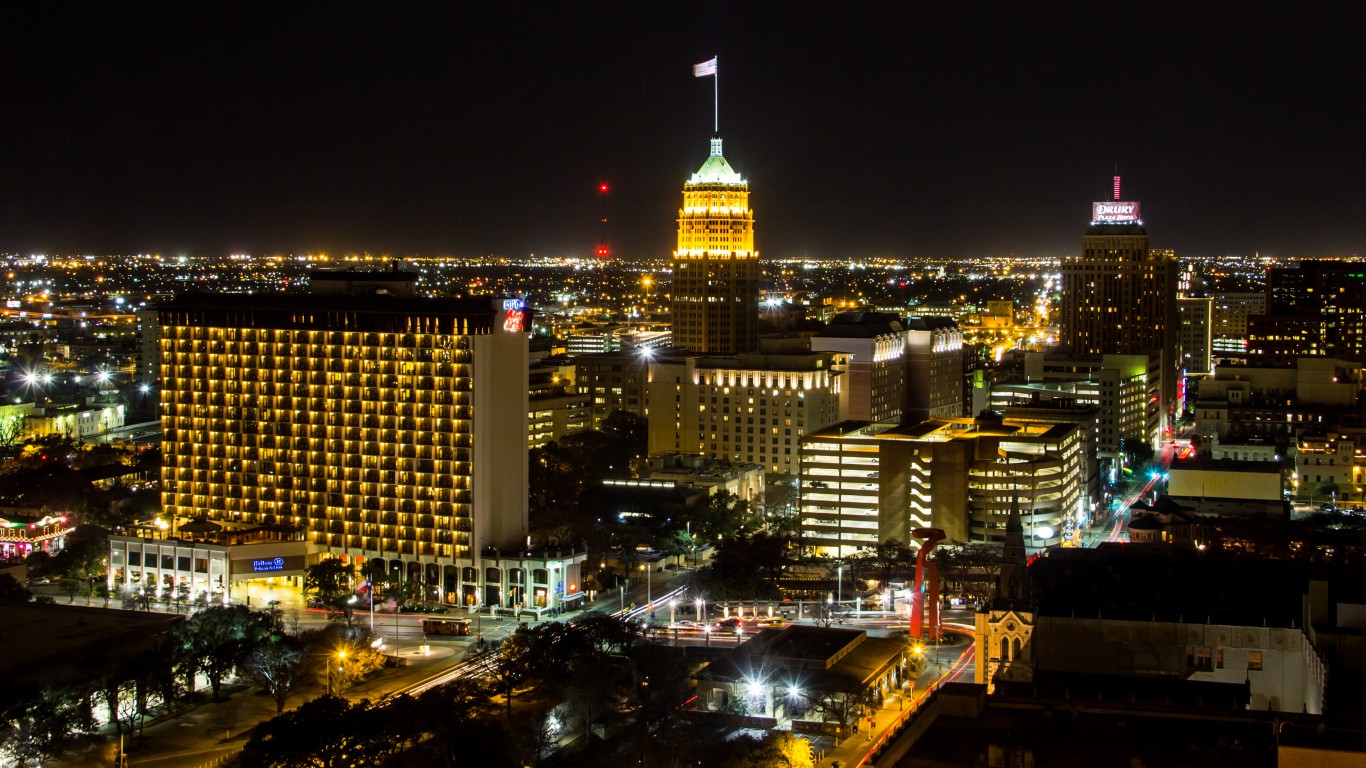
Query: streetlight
(839,584)
(341,659)
(648,601)
(699,602)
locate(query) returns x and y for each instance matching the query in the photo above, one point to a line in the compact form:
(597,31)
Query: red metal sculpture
(928,538)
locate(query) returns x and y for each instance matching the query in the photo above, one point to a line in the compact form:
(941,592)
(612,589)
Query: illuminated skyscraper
(716,269)
(1119,296)
(369,426)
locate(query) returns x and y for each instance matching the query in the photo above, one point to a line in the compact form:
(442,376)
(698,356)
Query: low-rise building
(744,481)
(23,534)
(1146,616)
(781,674)
(1216,487)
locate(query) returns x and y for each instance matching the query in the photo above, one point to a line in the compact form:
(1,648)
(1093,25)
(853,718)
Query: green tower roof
(716,170)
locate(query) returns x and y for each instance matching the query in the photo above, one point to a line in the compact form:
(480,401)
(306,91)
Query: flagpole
(716,100)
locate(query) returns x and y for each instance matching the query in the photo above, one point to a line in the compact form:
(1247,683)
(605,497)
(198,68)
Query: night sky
(865,129)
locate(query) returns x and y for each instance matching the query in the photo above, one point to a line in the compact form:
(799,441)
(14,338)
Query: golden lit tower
(716,269)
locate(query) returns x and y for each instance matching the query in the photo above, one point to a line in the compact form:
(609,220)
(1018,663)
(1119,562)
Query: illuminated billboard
(1114,211)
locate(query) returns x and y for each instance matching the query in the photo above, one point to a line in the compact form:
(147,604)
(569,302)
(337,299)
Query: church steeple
(1012,584)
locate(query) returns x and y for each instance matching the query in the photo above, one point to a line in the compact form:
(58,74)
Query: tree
(11,591)
(515,659)
(38,724)
(181,595)
(135,598)
(329,580)
(326,732)
(824,613)
(324,647)
(969,569)
(781,749)
(841,702)
(596,683)
(219,639)
(745,567)
(675,543)
(450,711)
(12,429)
(280,666)
(1137,453)
(886,559)
(70,587)
(724,515)
(632,433)
(536,735)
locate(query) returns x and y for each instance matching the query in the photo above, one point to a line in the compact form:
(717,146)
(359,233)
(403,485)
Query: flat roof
(1224,465)
(46,643)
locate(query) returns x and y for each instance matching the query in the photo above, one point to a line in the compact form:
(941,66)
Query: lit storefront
(22,535)
(210,571)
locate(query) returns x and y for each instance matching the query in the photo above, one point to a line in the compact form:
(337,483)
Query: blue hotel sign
(264,566)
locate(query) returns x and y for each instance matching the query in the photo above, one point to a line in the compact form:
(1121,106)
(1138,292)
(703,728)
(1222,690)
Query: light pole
(699,603)
(648,601)
(341,667)
(839,584)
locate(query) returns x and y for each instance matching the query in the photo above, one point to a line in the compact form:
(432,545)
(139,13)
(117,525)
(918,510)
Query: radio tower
(603,250)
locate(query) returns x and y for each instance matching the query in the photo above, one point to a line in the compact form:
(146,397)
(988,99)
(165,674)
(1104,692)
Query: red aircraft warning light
(603,251)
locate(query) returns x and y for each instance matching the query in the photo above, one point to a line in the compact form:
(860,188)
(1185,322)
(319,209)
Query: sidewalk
(855,750)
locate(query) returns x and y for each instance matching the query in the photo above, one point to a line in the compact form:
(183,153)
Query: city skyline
(877,132)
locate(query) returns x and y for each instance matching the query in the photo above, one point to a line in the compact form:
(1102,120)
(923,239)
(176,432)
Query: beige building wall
(1225,484)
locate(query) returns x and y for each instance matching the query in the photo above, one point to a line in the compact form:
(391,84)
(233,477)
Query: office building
(1194,339)
(715,292)
(1275,405)
(1123,387)
(1278,339)
(1317,308)
(863,483)
(871,349)
(1229,315)
(615,381)
(935,363)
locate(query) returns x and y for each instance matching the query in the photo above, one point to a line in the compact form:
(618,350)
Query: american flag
(704,69)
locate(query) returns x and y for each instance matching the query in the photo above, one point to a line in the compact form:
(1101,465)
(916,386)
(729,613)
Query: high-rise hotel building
(715,293)
(380,426)
(1119,296)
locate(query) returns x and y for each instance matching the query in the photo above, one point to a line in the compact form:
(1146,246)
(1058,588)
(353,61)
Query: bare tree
(12,429)
(537,735)
(280,666)
(840,705)
(824,613)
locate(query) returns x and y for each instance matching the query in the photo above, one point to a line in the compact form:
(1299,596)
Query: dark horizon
(879,130)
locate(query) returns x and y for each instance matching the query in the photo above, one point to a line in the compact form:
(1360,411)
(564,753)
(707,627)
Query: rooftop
(56,642)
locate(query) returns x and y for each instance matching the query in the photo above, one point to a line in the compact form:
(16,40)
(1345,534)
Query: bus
(445,626)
